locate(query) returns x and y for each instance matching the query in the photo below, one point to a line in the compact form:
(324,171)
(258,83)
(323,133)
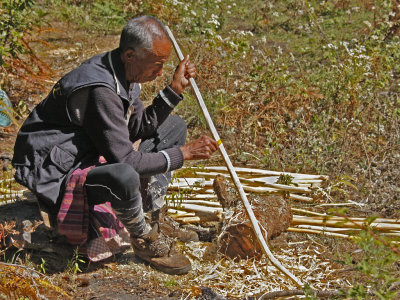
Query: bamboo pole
(301,198)
(329,229)
(319,216)
(267,172)
(302,230)
(344,223)
(232,171)
(180,213)
(197,208)
(308,212)
(277,186)
(201,202)
(187,220)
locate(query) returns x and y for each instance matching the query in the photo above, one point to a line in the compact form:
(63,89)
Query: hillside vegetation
(304,86)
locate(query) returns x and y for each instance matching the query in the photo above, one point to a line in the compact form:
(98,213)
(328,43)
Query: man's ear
(128,55)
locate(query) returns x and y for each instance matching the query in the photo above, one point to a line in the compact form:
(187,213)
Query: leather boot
(171,228)
(158,250)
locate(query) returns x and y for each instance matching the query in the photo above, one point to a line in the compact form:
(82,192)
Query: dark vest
(49,147)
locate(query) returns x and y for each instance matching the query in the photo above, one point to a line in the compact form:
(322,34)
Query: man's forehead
(162,47)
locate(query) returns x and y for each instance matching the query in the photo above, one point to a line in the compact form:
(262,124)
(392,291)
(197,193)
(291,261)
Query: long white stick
(232,171)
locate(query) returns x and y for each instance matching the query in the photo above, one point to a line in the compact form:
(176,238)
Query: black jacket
(49,146)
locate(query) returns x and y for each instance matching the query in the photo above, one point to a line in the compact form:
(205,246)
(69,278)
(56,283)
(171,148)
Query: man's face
(146,66)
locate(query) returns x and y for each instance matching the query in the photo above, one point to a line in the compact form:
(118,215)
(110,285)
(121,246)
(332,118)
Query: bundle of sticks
(192,199)
(341,226)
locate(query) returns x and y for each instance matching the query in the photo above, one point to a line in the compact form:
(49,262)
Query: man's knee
(127,176)
(118,180)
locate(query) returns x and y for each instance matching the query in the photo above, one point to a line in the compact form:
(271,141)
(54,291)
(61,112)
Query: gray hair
(140,32)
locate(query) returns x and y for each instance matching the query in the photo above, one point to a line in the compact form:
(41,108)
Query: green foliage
(378,263)
(98,15)
(17,18)
(170,283)
(73,265)
(285,179)
(43,265)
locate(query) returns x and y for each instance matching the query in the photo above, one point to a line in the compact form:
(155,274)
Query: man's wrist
(177,90)
(184,152)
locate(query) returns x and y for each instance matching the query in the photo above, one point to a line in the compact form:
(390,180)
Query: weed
(73,265)
(170,283)
(378,264)
(42,265)
(285,179)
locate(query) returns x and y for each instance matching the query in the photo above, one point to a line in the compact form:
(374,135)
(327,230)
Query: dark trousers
(120,184)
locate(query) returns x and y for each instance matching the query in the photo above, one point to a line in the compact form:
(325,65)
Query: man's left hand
(183,72)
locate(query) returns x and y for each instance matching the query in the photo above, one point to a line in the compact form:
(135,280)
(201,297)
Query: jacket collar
(118,70)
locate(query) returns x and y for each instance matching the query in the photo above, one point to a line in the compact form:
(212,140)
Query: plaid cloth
(96,230)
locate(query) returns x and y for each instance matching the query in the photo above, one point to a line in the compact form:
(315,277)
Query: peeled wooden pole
(232,171)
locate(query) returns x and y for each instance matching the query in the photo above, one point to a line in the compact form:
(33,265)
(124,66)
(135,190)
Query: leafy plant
(43,265)
(378,263)
(14,23)
(73,265)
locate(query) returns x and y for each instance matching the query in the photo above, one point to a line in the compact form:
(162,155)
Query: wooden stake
(232,171)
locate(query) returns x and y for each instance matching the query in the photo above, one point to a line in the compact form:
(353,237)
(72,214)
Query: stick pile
(191,197)
(339,226)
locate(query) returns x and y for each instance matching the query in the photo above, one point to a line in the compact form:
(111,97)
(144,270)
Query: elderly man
(78,148)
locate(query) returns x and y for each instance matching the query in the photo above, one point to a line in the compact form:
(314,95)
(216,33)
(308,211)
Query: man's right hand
(202,148)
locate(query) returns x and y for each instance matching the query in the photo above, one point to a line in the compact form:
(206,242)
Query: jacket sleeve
(144,121)
(105,125)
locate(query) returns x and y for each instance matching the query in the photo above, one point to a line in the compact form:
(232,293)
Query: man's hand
(201,148)
(183,72)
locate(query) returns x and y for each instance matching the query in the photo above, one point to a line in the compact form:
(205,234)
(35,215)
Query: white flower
(368,24)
